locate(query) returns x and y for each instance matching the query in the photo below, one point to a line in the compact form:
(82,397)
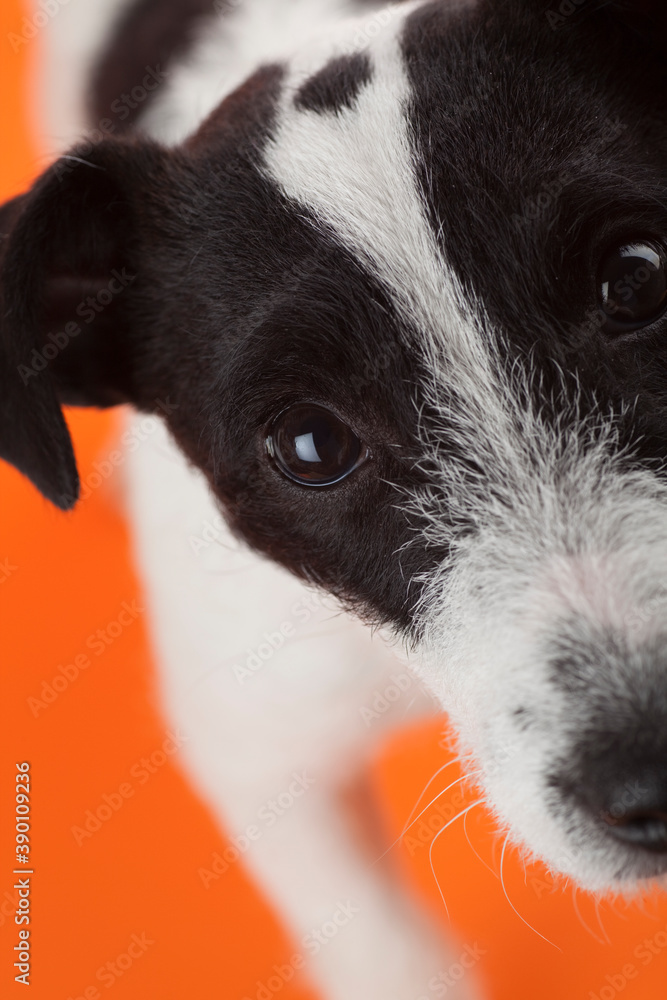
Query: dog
(388,287)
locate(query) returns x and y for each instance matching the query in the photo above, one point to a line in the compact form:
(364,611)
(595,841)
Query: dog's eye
(312,446)
(633,286)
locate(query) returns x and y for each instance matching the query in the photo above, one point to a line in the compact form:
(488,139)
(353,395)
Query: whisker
(522,919)
(580,917)
(477,855)
(428,784)
(613,903)
(464,812)
(77,159)
(463,777)
(597,914)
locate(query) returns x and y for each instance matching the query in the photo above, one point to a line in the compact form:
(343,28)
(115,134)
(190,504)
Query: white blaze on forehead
(356,171)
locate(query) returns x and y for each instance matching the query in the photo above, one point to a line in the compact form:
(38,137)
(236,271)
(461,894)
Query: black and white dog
(396,281)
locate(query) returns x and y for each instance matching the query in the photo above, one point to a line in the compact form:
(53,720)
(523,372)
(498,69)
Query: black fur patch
(33,433)
(526,191)
(336,86)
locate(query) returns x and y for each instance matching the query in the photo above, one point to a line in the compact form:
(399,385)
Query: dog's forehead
(419,147)
(343,146)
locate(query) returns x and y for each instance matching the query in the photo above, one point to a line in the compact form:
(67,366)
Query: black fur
(33,433)
(336,86)
(531,170)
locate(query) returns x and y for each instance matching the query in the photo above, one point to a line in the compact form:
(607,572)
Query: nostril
(642,828)
(623,790)
(636,812)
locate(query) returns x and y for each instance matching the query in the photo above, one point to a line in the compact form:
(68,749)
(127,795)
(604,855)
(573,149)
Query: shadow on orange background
(63,577)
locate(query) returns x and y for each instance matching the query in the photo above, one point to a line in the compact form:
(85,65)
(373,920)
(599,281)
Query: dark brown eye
(312,446)
(633,286)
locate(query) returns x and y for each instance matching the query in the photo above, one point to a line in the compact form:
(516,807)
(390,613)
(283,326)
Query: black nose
(636,814)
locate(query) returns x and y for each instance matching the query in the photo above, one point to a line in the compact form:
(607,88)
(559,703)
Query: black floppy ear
(33,433)
(67,266)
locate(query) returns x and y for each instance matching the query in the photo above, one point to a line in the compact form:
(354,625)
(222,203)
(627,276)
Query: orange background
(64,577)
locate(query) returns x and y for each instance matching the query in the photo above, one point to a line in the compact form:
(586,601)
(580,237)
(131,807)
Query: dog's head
(403,301)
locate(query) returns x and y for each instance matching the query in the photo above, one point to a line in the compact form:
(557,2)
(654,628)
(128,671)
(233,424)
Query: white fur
(567,536)
(355,169)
